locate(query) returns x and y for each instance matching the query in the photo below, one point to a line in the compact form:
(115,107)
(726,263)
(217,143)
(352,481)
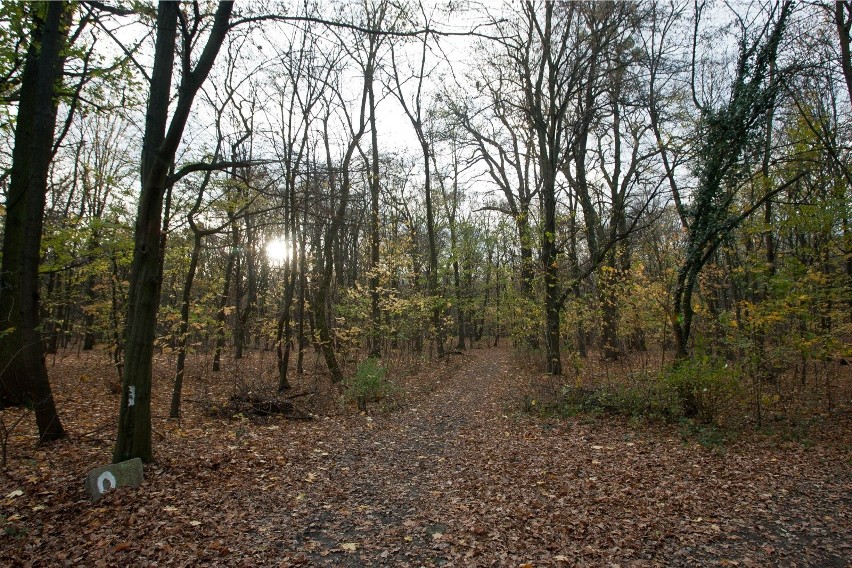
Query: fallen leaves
(455,477)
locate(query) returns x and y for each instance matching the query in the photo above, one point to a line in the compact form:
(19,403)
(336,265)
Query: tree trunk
(375,315)
(551,267)
(51,326)
(117,347)
(433,248)
(220,313)
(285,333)
(134,424)
(158,151)
(251,283)
(88,316)
(303,265)
(843,20)
(183,330)
(607,286)
(682,324)
(460,322)
(23,375)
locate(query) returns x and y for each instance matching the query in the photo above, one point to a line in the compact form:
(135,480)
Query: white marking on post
(106,478)
(131,396)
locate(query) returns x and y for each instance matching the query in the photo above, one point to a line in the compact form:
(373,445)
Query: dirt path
(457,476)
(462,478)
(393,474)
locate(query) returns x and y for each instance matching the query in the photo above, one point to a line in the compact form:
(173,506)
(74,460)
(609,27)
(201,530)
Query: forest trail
(457,475)
(462,477)
(396,474)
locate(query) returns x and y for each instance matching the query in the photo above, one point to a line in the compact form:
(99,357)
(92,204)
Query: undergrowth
(693,394)
(369,384)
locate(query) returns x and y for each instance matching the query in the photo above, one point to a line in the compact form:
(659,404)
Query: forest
(396,282)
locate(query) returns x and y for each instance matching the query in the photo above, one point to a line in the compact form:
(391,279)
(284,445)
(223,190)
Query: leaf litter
(455,476)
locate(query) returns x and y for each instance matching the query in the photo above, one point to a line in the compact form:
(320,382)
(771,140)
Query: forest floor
(455,474)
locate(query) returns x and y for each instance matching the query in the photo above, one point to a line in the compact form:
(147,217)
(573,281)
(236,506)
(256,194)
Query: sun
(278,250)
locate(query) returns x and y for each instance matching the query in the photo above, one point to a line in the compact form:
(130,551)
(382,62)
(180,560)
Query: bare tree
(413,106)
(161,139)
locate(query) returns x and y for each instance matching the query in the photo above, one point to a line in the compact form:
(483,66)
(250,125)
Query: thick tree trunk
(134,424)
(158,151)
(23,375)
(682,324)
(552,305)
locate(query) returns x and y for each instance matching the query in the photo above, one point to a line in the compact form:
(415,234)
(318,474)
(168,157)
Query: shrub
(647,400)
(704,386)
(695,390)
(369,383)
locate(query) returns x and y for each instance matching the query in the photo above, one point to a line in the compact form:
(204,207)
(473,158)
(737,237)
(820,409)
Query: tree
(605,111)
(23,377)
(725,134)
(339,180)
(299,90)
(366,55)
(549,68)
(501,139)
(159,145)
(843,21)
(414,110)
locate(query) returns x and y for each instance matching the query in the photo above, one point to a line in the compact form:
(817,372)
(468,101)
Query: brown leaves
(456,477)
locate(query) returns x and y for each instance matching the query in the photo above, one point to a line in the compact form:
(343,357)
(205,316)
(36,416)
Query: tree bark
(23,375)
(183,330)
(222,308)
(375,241)
(158,151)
